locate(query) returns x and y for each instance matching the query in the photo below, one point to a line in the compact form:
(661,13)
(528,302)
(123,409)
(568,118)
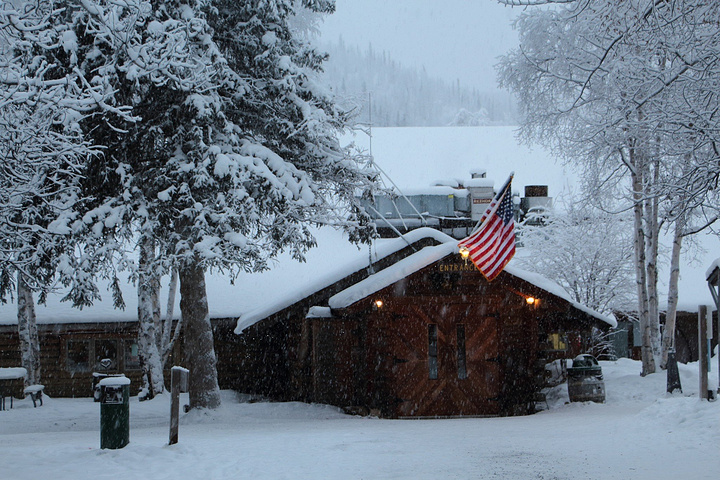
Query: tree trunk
(27,331)
(648,359)
(199,346)
(652,234)
(148,287)
(668,341)
(169,336)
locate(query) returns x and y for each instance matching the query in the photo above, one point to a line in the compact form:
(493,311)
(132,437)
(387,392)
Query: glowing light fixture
(464,253)
(378,303)
(531,300)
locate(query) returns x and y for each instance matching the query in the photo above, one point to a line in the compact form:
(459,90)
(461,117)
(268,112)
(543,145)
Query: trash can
(114,412)
(585,380)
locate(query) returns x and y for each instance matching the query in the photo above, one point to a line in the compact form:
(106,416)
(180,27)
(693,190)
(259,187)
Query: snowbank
(640,433)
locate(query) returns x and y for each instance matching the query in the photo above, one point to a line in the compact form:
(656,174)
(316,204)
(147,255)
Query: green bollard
(114,412)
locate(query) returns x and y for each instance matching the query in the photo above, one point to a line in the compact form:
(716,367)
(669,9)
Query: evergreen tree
(231,164)
(47,89)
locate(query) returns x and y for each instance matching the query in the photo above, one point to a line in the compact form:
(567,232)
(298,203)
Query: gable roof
(393,273)
(354,266)
(711,274)
(429,255)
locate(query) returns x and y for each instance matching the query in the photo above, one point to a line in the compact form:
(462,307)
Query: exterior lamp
(531,300)
(378,304)
(464,253)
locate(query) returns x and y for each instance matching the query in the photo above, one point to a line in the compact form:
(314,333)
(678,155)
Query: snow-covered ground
(639,433)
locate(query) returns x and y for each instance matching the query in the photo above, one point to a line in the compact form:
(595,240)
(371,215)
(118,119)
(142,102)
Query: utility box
(114,412)
(585,380)
(481,194)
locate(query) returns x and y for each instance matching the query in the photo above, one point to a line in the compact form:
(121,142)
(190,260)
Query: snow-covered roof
(552,287)
(12,373)
(713,266)
(430,255)
(328,277)
(392,274)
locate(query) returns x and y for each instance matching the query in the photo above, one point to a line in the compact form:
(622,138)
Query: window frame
(555,340)
(461,352)
(121,361)
(78,367)
(433,365)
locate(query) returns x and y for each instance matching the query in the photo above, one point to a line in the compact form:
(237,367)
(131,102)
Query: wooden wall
(59,378)
(379,359)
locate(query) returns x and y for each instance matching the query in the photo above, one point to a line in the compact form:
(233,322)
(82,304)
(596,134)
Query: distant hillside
(403,96)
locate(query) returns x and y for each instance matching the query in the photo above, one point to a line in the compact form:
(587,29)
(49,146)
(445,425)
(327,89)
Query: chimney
(478,173)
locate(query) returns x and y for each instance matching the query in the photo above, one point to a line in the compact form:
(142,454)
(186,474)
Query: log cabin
(419,333)
(71,352)
(73,342)
(425,336)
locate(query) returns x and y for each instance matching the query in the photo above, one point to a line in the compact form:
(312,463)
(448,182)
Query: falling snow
(264,440)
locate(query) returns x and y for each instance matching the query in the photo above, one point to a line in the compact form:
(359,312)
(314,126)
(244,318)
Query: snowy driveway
(640,433)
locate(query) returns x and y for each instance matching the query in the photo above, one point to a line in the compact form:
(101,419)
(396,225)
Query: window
(106,355)
(557,342)
(432,352)
(462,366)
(78,355)
(132,358)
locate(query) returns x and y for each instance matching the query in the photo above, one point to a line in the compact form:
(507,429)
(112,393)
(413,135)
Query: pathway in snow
(640,433)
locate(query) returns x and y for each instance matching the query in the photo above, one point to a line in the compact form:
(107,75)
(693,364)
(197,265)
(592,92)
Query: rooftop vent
(478,173)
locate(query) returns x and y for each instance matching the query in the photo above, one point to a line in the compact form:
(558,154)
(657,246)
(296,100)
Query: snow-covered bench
(11,384)
(35,392)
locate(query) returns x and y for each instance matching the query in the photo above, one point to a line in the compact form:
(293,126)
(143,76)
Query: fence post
(703,351)
(178,384)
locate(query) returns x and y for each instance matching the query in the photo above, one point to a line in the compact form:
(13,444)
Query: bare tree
(624,91)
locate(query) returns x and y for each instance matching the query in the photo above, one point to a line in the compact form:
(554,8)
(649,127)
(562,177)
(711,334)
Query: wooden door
(433,373)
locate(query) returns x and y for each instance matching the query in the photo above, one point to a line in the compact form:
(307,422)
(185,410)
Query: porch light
(531,300)
(378,304)
(464,253)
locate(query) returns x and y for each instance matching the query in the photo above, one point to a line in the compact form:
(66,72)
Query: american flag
(492,245)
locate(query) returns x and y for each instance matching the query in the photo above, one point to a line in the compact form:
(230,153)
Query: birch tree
(39,182)
(43,95)
(617,88)
(585,250)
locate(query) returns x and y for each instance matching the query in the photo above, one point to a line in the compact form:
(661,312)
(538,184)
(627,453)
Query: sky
(452,39)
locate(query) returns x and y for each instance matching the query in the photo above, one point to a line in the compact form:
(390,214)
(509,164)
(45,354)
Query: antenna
(371,269)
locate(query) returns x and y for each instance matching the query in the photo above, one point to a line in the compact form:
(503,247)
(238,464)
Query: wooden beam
(703,350)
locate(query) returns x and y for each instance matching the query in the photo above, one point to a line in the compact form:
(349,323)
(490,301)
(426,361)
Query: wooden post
(703,350)
(714,285)
(178,384)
